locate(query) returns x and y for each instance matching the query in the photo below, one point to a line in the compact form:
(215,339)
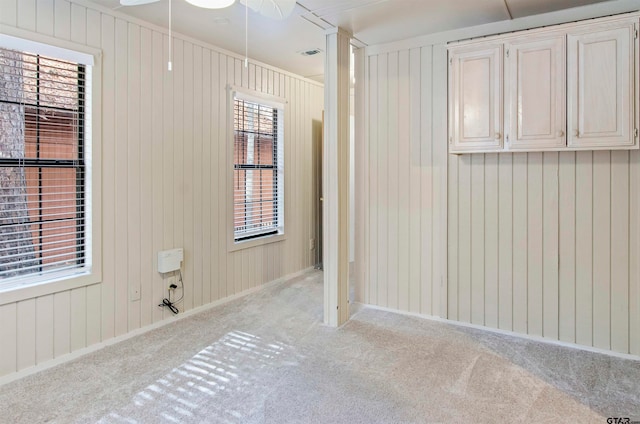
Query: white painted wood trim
(336,180)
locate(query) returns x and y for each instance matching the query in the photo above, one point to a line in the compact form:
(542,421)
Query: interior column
(336,178)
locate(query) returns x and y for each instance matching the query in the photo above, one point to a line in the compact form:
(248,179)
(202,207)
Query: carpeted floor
(267,358)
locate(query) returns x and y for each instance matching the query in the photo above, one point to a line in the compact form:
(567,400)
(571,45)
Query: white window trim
(31,286)
(234,92)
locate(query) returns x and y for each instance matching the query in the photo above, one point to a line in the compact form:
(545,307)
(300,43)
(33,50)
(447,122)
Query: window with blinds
(257,170)
(42,166)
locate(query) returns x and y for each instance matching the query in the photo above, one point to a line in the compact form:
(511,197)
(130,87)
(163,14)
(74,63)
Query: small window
(43,168)
(258,178)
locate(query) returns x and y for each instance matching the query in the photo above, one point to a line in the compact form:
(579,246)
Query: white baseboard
(504,332)
(95,347)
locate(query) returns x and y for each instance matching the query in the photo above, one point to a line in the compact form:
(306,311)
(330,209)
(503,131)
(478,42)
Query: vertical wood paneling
(426,181)
(8,332)
(477,232)
(373,102)
(225,274)
(164,161)
(217,282)
(133,188)
(78,318)
(464,238)
(26,337)
(546,244)
(94,333)
(158,171)
(491,242)
(108,176)
(186,219)
(584,248)
(94,28)
(27,14)
(602,249)
(634,253)
(404,178)
(44,328)
(197,226)
(9,13)
(620,239)
(383,180)
(62,323)
(452,248)
(121,242)
(205,185)
(360,175)
(520,242)
(414,179)
(439,224)
(62,19)
(44,17)
(550,211)
(146,217)
(181,80)
(291,192)
(505,241)
(393,182)
(78,23)
(534,192)
(567,247)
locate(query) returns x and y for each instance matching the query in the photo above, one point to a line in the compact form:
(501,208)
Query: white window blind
(42,166)
(257,174)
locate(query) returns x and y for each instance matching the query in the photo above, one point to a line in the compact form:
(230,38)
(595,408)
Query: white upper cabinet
(535,93)
(601,85)
(475,93)
(565,87)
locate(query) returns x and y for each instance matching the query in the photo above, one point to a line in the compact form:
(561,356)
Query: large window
(257,170)
(43,167)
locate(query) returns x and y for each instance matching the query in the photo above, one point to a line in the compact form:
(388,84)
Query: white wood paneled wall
(164,181)
(401,155)
(543,244)
(546,244)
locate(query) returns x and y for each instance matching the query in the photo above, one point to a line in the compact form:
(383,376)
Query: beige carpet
(267,358)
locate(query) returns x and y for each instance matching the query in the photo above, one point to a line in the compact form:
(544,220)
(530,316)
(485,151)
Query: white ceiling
(278,43)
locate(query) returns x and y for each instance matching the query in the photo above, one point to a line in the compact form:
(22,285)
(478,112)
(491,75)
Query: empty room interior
(319,211)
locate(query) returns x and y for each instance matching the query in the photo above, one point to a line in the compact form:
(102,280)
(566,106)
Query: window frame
(277,103)
(30,286)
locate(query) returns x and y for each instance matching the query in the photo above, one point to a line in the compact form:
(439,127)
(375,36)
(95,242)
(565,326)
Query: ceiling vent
(310,52)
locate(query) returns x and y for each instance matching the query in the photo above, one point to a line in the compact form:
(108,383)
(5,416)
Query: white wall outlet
(312,243)
(134,291)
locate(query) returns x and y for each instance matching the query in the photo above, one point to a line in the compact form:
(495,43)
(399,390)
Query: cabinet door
(536,93)
(601,90)
(475,98)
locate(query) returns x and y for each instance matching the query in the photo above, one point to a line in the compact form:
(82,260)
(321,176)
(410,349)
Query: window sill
(247,244)
(17,293)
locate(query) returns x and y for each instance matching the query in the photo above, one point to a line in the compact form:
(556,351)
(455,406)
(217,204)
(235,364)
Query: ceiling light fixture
(211,4)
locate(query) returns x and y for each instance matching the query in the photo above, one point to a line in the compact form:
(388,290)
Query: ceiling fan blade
(274,9)
(136,2)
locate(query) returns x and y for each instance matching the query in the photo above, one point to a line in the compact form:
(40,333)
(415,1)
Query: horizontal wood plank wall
(400,182)
(164,162)
(544,244)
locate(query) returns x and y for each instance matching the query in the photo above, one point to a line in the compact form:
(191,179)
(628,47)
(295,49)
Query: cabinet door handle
(576,133)
(560,133)
(498,136)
